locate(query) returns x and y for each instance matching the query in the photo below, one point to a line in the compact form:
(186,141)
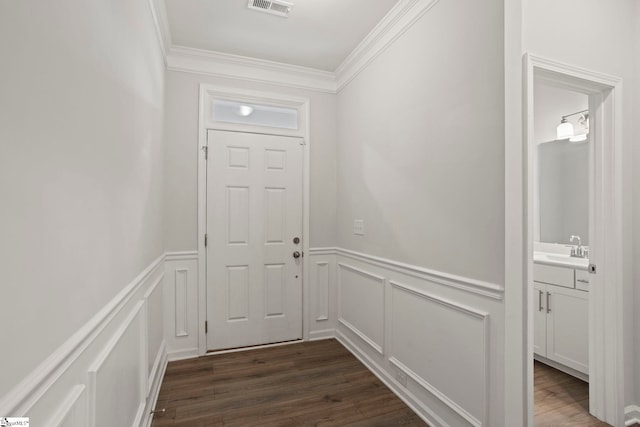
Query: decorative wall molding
(451,305)
(632,415)
(357,329)
(371,343)
(161,25)
(156,377)
(322,290)
(179,58)
(45,395)
(322,251)
(104,355)
(424,383)
(181,256)
(399,19)
(181,326)
(35,385)
(186,59)
(487,289)
(441,392)
(181,308)
(437,393)
(71,411)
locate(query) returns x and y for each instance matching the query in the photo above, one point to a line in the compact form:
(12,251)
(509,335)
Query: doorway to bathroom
(560,307)
(573,193)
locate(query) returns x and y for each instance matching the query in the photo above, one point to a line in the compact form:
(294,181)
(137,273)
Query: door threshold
(252,347)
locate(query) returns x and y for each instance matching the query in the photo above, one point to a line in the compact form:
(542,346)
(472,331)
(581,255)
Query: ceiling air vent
(274,7)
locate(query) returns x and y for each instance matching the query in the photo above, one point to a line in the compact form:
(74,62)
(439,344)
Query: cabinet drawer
(554,275)
(582,280)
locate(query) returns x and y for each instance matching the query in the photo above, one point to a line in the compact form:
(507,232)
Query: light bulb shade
(564,130)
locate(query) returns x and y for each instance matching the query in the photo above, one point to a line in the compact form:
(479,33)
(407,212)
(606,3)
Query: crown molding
(161,24)
(193,60)
(399,19)
(180,58)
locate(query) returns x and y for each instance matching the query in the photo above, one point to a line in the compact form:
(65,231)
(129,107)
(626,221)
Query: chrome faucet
(578,251)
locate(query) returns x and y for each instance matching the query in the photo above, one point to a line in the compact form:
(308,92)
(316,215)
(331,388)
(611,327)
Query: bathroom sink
(560,259)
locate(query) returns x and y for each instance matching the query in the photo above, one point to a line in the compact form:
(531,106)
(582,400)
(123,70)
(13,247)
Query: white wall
(421,160)
(80,168)
(421,146)
(599,36)
(181,151)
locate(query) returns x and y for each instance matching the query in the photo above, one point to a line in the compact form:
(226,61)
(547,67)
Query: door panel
(254,211)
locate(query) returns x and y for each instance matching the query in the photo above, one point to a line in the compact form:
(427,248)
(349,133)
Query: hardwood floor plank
(561,400)
(314,383)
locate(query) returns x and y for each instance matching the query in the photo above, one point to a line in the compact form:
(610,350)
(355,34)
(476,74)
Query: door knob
(296,254)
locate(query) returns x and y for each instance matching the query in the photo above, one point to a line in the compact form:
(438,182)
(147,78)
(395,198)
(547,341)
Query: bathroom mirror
(563,178)
(561,192)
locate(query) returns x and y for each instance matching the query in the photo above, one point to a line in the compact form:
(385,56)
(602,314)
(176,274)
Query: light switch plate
(358,227)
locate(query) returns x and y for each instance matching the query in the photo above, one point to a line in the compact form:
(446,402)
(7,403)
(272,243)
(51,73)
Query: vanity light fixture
(565,129)
(583,123)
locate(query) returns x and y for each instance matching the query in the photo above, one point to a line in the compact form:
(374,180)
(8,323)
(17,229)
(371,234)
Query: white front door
(254,232)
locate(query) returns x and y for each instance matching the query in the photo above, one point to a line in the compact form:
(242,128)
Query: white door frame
(606,365)
(207,94)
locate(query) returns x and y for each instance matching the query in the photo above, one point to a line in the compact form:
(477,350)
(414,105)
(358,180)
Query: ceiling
(318,34)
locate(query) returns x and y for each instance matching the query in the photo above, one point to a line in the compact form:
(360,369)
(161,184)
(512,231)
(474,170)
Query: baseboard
(631,415)
(189,353)
(562,368)
(427,415)
(323,334)
(157,374)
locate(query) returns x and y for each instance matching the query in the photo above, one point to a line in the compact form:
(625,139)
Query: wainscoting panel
(322,290)
(116,378)
(361,304)
(425,334)
(456,372)
(72,412)
(181,304)
(322,304)
(155,336)
(109,372)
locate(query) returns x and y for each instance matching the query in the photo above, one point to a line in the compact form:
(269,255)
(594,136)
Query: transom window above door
(254,114)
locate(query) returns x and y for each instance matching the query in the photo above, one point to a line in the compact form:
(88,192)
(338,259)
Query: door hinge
(592,268)
(206,152)
(206,327)
(205,240)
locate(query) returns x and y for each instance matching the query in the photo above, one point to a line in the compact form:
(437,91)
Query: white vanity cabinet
(560,313)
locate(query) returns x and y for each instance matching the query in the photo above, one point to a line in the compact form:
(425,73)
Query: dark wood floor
(560,399)
(309,384)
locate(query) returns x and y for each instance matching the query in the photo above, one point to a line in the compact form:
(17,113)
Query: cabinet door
(568,327)
(538,307)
